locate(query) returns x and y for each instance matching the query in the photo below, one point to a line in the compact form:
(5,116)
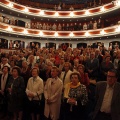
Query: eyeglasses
(111,76)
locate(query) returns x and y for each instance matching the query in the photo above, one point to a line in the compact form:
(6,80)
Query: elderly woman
(25,72)
(84,76)
(52,93)
(34,92)
(75,98)
(16,89)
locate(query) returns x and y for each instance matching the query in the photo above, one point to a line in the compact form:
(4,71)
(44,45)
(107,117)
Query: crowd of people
(96,24)
(60,85)
(62,26)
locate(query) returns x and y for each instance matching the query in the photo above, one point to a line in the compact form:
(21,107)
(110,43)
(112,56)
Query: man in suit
(108,98)
(92,66)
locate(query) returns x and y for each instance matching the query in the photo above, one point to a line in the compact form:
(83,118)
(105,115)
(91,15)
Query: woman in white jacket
(52,93)
(34,92)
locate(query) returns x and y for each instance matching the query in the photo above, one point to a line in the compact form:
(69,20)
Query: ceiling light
(102,32)
(41,33)
(118,29)
(26,9)
(9,28)
(25,31)
(102,9)
(56,14)
(71,34)
(56,34)
(41,12)
(71,14)
(10,4)
(117,2)
(87,34)
(87,12)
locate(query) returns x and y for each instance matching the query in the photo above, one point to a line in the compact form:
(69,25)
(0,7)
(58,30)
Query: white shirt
(106,104)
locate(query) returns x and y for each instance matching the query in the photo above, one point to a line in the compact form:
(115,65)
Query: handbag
(36,102)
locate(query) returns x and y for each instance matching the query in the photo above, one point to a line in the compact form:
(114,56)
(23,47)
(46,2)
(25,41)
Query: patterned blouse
(79,93)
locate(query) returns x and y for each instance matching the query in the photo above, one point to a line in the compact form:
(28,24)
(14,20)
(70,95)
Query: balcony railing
(60,14)
(113,30)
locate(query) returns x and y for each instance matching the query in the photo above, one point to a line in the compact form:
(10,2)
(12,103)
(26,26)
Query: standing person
(105,66)
(52,93)
(75,98)
(65,75)
(34,92)
(84,76)
(108,98)
(16,89)
(92,66)
(4,77)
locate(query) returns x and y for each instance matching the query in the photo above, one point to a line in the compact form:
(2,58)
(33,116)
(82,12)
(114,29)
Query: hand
(30,95)
(48,101)
(10,90)
(72,101)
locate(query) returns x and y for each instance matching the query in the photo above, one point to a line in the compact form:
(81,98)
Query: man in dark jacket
(108,98)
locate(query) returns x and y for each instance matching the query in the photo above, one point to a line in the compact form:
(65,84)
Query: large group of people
(61,26)
(96,24)
(52,84)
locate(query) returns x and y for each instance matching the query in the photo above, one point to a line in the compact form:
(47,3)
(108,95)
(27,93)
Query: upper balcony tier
(60,14)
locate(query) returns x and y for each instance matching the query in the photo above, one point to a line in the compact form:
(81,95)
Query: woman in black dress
(16,91)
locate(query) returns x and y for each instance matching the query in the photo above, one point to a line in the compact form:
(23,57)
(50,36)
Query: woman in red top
(84,76)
